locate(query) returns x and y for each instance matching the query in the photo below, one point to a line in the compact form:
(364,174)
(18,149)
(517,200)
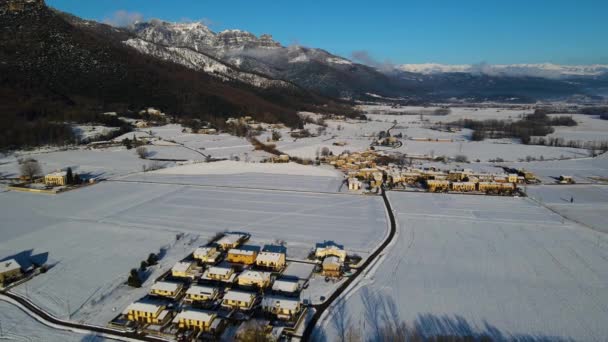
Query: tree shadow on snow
(27,259)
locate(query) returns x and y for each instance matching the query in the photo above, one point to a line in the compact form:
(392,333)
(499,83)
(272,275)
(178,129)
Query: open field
(18,326)
(473,265)
(93,236)
(590,206)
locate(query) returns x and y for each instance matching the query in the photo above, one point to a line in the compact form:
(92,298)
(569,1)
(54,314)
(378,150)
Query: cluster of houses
(225,283)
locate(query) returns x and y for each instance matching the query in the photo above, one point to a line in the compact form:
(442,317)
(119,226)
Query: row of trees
(537,124)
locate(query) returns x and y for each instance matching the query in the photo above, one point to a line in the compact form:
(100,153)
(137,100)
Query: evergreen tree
(69,176)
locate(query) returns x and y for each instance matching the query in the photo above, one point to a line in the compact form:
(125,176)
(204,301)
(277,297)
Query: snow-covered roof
(332,260)
(239,296)
(9,265)
(283,303)
(241,251)
(144,307)
(196,315)
(255,275)
(229,239)
(269,257)
(285,286)
(57,174)
(204,251)
(201,290)
(181,266)
(166,286)
(223,271)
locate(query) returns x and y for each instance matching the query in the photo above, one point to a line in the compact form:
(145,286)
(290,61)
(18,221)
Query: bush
(460,158)
(142,152)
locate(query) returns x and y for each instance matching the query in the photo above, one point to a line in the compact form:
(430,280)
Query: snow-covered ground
(589,206)
(476,265)
(93,236)
(18,326)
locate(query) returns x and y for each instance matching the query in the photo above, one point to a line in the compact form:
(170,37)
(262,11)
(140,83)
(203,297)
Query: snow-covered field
(18,326)
(475,265)
(589,207)
(93,236)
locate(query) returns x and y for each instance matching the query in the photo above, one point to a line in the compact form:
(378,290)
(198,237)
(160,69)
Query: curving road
(321,308)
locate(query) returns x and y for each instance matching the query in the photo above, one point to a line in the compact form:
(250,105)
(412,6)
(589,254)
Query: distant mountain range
(545,70)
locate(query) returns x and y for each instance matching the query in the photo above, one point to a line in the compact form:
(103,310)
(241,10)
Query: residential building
(238,300)
(329,248)
(275,261)
(56,178)
(225,274)
(229,241)
(463,186)
(435,185)
(286,286)
(242,256)
(9,270)
(199,293)
(283,308)
(255,278)
(182,269)
(150,313)
(332,266)
(167,289)
(209,255)
(195,319)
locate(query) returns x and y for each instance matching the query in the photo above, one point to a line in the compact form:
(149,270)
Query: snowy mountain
(545,70)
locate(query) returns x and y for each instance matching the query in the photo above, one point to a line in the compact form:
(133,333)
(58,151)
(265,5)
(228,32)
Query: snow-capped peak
(546,70)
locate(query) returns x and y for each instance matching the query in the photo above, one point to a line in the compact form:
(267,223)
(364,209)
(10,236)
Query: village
(230,289)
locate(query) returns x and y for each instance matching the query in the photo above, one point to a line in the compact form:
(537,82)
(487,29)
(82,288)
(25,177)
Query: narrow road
(321,308)
(56,323)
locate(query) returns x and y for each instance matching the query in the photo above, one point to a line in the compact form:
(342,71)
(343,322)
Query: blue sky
(443,31)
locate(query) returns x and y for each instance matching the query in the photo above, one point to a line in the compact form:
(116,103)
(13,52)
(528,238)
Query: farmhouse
(332,266)
(195,319)
(275,261)
(182,269)
(9,270)
(167,289)
(329,248)
(209,255)
(225,274)
(242,256)
(150,313)
(56,178)
(229,241)
(256,278)
(283,308)
(238,300)
(198,293)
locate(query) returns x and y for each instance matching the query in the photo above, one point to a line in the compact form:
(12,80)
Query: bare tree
(30,169)
(253,332)
(325,151)
(142,152)
(341,319)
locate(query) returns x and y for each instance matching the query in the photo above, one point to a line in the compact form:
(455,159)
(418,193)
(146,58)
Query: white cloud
(123,18)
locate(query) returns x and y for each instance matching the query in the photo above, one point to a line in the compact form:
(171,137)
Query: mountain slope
(55,70)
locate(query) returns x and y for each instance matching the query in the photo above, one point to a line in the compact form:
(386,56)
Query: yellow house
(198,293)
(242,256)
(56,178)
(229,241)
(225,274)
(283,308)
(513,178)
(463,186)
(9,270)
(330,249)
(238,300)
(167,289)
(182,269)
(256,278)
(195,319)
(437,185)
(147,313)
(332,266)
(275,261)
(208,255)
